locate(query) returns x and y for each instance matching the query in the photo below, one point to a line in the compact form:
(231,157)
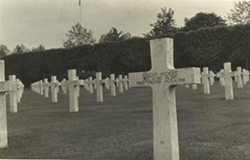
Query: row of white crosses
(15,89)
(73,85)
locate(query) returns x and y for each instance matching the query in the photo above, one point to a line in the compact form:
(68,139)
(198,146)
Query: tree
(114,35)
(203,20)
(78,35)
(4,51)
(240,14)
(20,49)
(165,24)
(39,48)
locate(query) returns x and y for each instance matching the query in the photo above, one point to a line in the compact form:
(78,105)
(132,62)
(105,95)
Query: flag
(79,2)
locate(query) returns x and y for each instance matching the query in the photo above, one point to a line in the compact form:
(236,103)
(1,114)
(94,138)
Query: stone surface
(3,111)
(120,83)
(205,80)
(91,90)
(72,84)
(112,85)
(54,84)
(221,78)
(99,87)
(13,94)
(163,79)
(125,81)
(211,77)
(46,87)
(238,76)
(227,75)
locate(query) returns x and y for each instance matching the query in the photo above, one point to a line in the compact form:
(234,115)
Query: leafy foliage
(78,35)
(165,24)
(204,47)
(39,48)
(4,51)
(240,14)
(21,49)
(114,36)
(203,20)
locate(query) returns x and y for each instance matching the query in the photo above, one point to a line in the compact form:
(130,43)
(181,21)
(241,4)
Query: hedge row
(204,47)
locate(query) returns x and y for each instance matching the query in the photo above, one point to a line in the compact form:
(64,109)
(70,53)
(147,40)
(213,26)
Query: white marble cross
(41,87)
(91,90)
(46,87)
(20,90)
(222,79)
(245,75)
(238,76)
(73,83)
(86,84)
(13,94)
(120,84)
(63,86)
(163,79)
(99,87)
(227,75)
(4,88)
(211,78)
(112,85)
(205,81)
(125,81)
(54,89)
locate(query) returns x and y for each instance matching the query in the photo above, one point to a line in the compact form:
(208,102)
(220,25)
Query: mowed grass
(120,128)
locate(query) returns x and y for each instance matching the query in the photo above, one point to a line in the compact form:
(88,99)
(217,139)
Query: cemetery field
(120,128)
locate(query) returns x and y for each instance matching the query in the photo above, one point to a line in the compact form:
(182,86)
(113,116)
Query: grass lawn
(120,128)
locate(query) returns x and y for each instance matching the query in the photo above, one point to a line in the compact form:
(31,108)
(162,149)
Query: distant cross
(99,87)
(13,94)
(20,90)
(238,76)
(205,80)
(125,81)
(54,89)
(73,86)
(227,76)
(245,75)
(120,84)
(211,78)
(163,79)
(46,87)
(91,90)
(222,80)
(112,85)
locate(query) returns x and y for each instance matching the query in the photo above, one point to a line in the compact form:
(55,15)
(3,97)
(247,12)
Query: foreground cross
(227,75)
(163,79)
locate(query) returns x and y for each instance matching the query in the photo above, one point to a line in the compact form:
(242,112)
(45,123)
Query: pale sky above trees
(46,22)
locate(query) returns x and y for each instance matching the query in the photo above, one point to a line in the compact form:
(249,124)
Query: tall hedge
(204,47)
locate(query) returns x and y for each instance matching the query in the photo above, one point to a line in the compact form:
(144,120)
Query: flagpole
(80,11)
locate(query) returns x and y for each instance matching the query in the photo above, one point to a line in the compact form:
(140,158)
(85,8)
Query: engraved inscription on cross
(163,79)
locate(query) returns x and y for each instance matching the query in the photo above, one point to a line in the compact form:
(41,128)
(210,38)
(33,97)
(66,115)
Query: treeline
(203,47)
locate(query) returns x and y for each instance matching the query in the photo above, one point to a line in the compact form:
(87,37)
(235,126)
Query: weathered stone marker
(238,77)
(194,86)
(20,90)
(46,87)
(13,94)
(163,79)
(73,83)
(222,80)
(125,81)
(91,85)
(205,81)
(54,85)
(211,78)
(245,75)
(41,87)
(99,87)
(3,112)
(227,75)
(63,86)
(112,85)
(120,84)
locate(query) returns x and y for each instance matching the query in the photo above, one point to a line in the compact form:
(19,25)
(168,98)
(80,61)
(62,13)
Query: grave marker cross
(163,78)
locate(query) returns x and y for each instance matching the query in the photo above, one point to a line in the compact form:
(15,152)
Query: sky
(46,22)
